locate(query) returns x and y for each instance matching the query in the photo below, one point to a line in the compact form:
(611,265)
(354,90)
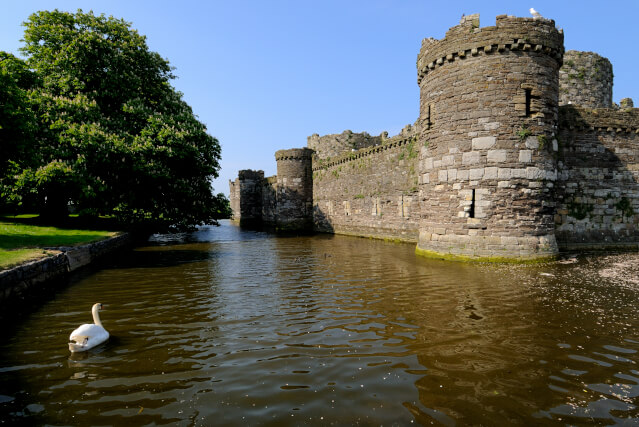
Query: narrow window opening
(528,98)
(471,213)
(429,122)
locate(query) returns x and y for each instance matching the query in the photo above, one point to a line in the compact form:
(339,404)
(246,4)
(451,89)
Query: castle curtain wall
(493,169)
(598,181)
(371,192)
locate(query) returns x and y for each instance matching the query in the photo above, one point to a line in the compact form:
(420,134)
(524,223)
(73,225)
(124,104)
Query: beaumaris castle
(518,153)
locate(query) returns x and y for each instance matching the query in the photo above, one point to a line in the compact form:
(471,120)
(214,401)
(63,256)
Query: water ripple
(232,327)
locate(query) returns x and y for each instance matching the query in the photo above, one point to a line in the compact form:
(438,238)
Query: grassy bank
(22,239)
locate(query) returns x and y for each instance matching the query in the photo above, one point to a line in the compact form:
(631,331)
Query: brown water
(231,327)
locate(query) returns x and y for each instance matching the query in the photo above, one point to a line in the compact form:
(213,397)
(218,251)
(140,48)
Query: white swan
(88,335)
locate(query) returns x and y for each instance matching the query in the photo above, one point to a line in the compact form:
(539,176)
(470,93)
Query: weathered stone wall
(488,110)
(333,145)
(15,283)
(598,181)
(371,192)
(585,79)
(246,197)
(490,170)
(269,200)
(294,205)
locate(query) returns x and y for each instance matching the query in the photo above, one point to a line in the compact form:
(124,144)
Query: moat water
(232,327)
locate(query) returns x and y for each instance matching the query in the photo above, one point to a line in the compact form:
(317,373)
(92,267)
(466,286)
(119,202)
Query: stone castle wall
(294,192)
(493,169)
(246,197)
(597,191)
(328,146)
(371,192)
(488,97)
(585,79)
(269,201)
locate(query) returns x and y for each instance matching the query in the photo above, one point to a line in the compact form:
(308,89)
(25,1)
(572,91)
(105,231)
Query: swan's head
(98,306)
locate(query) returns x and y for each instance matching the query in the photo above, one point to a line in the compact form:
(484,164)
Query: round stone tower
(294,210)
(585,79)
(488,113)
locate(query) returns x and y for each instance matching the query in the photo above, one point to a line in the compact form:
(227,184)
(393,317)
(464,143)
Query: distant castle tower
(294,211)
(246,197)
(489,113)
(585,80)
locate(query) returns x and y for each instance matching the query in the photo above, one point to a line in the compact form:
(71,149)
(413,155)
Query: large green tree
(18,124)
(114,136)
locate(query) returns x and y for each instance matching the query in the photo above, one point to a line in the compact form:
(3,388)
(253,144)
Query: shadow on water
(232,327)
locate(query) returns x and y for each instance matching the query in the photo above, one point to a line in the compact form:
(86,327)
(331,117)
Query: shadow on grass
(14,241)
(73,222)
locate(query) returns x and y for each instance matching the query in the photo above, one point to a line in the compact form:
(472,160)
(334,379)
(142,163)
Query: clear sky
(264,75)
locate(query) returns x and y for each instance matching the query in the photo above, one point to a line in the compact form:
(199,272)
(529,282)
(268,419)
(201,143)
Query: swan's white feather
(88,335)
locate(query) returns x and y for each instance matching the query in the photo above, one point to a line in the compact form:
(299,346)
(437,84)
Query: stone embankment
(16,282)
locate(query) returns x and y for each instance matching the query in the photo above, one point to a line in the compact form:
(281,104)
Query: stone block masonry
(586,80)
(15,283)
(371,192)
(246,197)
(294,192)
(493,169)
(477,88)
(597,192)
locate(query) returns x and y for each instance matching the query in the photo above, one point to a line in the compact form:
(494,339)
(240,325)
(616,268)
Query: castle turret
(294,210)
(488,113)
(246,197)
(585,79)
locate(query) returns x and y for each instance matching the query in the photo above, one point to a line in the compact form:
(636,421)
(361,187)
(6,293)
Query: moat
(232,327)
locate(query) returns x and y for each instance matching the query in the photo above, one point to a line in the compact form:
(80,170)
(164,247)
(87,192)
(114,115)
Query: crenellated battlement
(250,174)
(509,34)
(518,152)
(294,154)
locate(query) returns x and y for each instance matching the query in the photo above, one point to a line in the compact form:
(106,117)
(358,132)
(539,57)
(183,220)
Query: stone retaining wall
(16,282)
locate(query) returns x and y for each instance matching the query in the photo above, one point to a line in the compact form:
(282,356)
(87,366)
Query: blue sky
(264,75)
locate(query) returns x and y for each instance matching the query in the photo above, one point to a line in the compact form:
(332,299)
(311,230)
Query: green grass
(21,241)
(15,257)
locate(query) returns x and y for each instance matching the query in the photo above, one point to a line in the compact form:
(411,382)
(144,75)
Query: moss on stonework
(496,259)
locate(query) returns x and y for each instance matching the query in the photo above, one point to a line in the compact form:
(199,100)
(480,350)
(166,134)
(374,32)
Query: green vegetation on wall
(625,207)
(579,210)
(523,132)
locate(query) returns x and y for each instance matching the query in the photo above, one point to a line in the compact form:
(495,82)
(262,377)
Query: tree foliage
(18,123)
(112,136)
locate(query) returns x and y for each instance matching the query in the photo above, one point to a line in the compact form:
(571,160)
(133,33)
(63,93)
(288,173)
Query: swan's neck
(96,315)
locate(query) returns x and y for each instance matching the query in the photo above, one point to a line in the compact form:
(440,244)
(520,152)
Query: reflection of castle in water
(518,152)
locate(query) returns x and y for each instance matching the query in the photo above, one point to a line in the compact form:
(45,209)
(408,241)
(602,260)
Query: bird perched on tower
(535,14)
